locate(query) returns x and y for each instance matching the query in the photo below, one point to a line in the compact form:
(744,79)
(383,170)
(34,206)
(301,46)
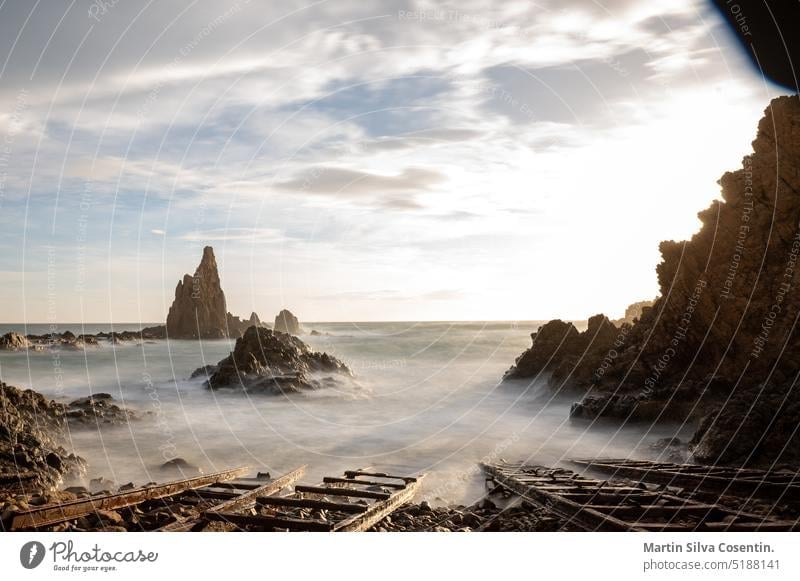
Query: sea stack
(199,310)
(286,322)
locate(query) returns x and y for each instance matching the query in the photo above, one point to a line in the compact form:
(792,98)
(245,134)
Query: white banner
(558,556)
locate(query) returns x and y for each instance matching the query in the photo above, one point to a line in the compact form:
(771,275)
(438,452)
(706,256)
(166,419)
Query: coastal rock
(199,311)
(273,362)
(724,325)
(236,326)
(286,322)
(566,358)
(31,429)
(98,408)
(14,342)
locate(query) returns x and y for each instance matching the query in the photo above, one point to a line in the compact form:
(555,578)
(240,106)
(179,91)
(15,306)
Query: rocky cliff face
(286,322)
(272,362)
(722,341)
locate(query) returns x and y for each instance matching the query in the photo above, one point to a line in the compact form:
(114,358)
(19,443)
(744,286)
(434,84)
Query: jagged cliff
(721,343)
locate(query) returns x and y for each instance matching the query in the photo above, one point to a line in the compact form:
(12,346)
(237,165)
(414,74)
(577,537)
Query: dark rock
(31,436)
(98,408)
(205,371)
(286,322)
(272,362)
(180,467)
(724,325)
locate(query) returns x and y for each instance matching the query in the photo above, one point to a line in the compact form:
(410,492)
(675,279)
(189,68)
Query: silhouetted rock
(634,312)
(199,310)
(722,339)
(566,358)
(273,362)
(286,322)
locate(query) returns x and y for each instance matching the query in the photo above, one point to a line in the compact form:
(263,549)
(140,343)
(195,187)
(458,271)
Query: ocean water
(426,397)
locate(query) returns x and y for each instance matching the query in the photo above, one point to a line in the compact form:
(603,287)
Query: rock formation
(14,342)
(567,358)
(236,326)
(722,341)
(199,310)
(286,322)
(634,312)
(267,361)
(31,427)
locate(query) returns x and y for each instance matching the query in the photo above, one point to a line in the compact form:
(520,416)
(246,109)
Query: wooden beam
(379,510)
(56,513)
(354,473)
(311,503)
(271,522)
(335,480)
(331,491)
(249,498)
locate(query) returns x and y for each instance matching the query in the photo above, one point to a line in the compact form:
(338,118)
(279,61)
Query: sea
(426,398)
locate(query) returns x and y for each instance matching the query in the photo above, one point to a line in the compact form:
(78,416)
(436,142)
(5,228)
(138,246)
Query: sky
(359,160)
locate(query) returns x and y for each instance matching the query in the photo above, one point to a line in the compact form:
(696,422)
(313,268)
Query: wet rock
(271,362)
(205,371)
(179,467)
(31,433)
(98,408)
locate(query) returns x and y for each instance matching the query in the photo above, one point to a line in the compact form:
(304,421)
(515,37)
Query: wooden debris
(717,480)
(56,513)
(618,506)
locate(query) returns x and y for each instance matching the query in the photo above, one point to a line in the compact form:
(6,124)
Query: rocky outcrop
(31,429)
(722,341)
(199,310)
(271,362)
(566,358)
(634,312)
(286,322)
(98,408)
(236,327)
(14,342)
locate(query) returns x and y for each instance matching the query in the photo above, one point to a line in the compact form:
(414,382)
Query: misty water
(426,398)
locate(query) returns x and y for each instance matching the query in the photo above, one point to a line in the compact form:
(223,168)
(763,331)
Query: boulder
(273,362)
(286,322)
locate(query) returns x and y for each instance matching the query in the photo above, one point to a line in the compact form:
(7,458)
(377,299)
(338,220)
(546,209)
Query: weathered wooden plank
(271,487)
(272,522)
(586,518)
(336,491)
(311,503)
(666,474)
(337,480)
(354,473)
(379,510)
(56,513)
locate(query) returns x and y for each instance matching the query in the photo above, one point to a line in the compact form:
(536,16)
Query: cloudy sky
(359,160)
